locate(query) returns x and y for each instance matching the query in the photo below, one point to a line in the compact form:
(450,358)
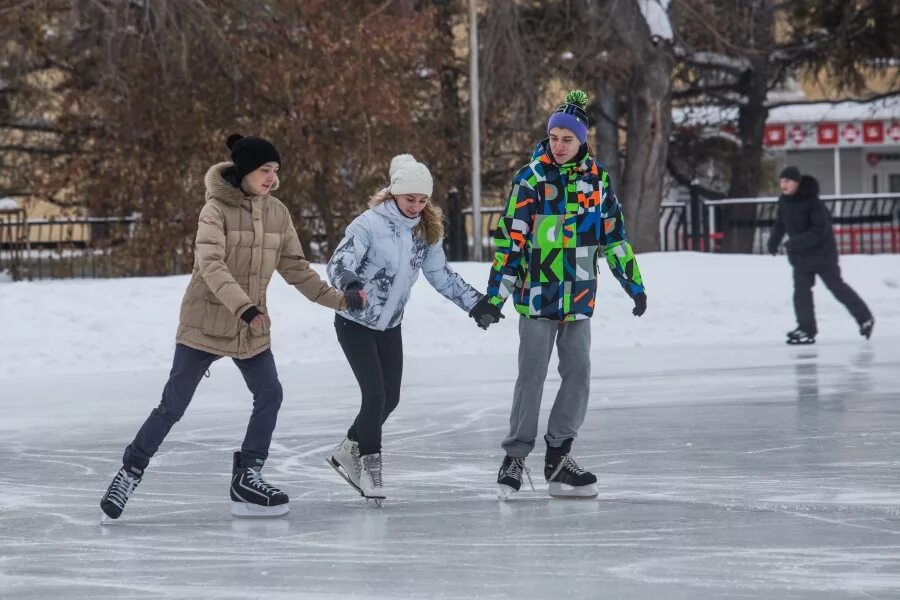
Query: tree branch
(25,150)
(43,127)
(693,92)
(686,181)
(715,61)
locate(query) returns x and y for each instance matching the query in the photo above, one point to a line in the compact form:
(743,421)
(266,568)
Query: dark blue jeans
(188,368)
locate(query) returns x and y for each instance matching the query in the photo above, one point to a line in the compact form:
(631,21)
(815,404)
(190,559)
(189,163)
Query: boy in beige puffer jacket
(244,235)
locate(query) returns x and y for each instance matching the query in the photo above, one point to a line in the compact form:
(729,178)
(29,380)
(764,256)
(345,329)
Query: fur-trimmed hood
(219,187)
(241,241)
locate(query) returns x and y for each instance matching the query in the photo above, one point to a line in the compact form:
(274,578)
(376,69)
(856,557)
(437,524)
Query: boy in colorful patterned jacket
(561,216)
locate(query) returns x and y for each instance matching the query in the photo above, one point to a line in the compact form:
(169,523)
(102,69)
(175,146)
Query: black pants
(805,279)
(188,368)
(376,358)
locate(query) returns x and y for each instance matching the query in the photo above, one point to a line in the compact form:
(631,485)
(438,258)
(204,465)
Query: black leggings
(376,358)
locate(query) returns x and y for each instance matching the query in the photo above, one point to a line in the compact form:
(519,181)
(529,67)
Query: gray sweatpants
(573,345)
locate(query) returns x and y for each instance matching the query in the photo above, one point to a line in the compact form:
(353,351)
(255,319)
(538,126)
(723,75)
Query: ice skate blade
(796,342)
(340,471)
(375,501)
(245,510)
(562,490)
(505,493)
(105,519)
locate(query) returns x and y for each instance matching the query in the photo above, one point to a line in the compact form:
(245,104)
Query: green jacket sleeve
(510,240)
(619,254)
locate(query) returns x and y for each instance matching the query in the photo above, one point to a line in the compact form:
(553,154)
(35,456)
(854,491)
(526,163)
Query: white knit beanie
(409,176)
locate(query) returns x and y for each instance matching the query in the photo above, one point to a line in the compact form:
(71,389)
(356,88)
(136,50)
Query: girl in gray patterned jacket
(379,260)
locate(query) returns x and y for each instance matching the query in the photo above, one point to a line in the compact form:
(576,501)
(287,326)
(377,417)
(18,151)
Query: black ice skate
(509,478)
(798,336)
(253,496)
(865,328)
(565,478)
(118,492)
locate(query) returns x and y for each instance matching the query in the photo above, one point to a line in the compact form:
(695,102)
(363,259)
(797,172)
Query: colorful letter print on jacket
(557,221)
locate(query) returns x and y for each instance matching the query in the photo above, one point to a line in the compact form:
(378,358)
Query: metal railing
(87,246)
(12,241)
(65,247)
(490,218)
(862,223)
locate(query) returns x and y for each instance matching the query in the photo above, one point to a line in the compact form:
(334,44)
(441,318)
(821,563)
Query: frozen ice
(731,471)
(729,464)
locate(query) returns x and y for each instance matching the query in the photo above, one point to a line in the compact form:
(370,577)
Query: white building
(850,147)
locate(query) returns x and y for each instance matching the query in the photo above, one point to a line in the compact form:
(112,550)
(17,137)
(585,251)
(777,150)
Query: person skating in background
(244,234)
(811,250)
(382,253)
(561,217)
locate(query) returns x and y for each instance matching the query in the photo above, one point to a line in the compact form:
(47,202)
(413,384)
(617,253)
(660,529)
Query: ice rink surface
(726,471)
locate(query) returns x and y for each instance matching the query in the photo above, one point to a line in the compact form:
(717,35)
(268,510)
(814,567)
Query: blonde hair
(430,228)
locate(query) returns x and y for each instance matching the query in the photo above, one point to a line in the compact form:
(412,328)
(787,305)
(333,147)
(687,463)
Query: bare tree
(731,58)
(647,36)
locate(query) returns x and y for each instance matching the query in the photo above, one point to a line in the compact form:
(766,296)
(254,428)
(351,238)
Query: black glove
(773,248)
(640,304)
(352,296)
(250,314)
(486,313)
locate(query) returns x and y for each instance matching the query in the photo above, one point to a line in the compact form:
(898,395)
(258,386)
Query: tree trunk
(453,172)
(649,123)
(325,208)
(739,221)
(607,140)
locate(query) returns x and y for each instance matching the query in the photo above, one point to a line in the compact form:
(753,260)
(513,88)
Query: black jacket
(806,221)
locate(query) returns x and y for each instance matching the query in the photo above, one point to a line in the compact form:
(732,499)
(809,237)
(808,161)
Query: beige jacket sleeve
(210,249)
(295,269)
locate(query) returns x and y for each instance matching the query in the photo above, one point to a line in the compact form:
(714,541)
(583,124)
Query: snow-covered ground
(731,465)
(85,326)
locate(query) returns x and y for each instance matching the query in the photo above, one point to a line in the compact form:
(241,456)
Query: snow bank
(96,326)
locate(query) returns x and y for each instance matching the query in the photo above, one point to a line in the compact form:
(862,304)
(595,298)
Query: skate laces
(372,468)
(567,463)
(516,468)
(122,487)
(354,456)
(255,479)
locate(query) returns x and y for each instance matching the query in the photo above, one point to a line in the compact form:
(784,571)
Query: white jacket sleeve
(446,281)
(349,256)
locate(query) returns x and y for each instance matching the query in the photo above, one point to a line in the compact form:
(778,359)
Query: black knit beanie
(792,173)
(249,153)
